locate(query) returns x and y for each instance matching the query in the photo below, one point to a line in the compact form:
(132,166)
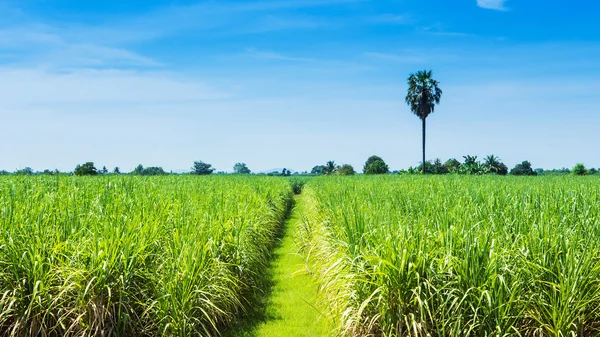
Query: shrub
(579,170)
(376,165)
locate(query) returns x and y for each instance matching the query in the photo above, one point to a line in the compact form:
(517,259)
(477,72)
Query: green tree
(117,170)
(452,165)
(138,170)
(202,168)
(28,171)
(241,168)
(523,169)
(153,171)
(494,165)
(317,169)
(579,170)
(86,169)
(375,165)
(346,170)
(329,168)
(438,167)
(422,96)
(472,166)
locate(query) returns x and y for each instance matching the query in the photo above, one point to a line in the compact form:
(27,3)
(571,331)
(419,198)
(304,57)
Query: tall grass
(133,256)
(457,256)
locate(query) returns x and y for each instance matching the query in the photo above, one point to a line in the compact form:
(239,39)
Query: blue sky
(295,83)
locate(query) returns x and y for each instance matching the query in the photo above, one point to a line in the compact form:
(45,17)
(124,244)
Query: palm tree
(495,165)
(492,162)
(330,167)
(423,94)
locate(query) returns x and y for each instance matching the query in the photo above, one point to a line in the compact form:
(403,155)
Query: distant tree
(438,167)
(472,166)
(104,170)
(241,168)
(592,171)
(539,171)
(286,173)
(28,171)
(138,170)
(523,169)
(86,169)
(494,165)
(422,96)
(329,168)
(452,165)
(428,168)
(202,168)
(4,173)
(317,169)
(579,170)
(153,171)
(375,165)
(346,170)
(117,170)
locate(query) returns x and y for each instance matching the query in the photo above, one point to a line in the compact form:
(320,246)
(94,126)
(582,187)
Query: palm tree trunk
(423,163)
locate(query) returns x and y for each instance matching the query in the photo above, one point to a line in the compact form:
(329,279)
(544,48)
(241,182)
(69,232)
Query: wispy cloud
(75,44)
(45,45)
(37,87)
(498,5)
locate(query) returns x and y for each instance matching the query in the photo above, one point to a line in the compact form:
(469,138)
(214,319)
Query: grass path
(291,308)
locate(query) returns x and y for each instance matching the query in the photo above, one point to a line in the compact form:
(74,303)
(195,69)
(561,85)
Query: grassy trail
(291,309)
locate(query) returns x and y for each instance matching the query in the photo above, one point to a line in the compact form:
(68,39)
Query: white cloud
(492,4)
(37,87)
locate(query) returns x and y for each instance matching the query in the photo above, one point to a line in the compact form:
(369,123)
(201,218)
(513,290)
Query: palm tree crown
(423,93)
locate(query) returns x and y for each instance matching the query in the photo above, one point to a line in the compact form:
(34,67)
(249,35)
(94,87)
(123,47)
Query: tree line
(373,166)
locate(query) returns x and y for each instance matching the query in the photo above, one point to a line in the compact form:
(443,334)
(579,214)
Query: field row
(457,256)
(125,256)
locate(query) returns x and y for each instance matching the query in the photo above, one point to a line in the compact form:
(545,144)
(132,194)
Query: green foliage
(523,169)
(298,183)
(241,168)
(423,93)
(86,169)
(346,170)
(375,165)
(456,256)
(494,165)
(554,172)
(452,165)
(472,166)
(579,170)
(431,168)
(134,256)
(117,170)
(140,170)
(318,170)
(202,168)
(28,171)
(329,168)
